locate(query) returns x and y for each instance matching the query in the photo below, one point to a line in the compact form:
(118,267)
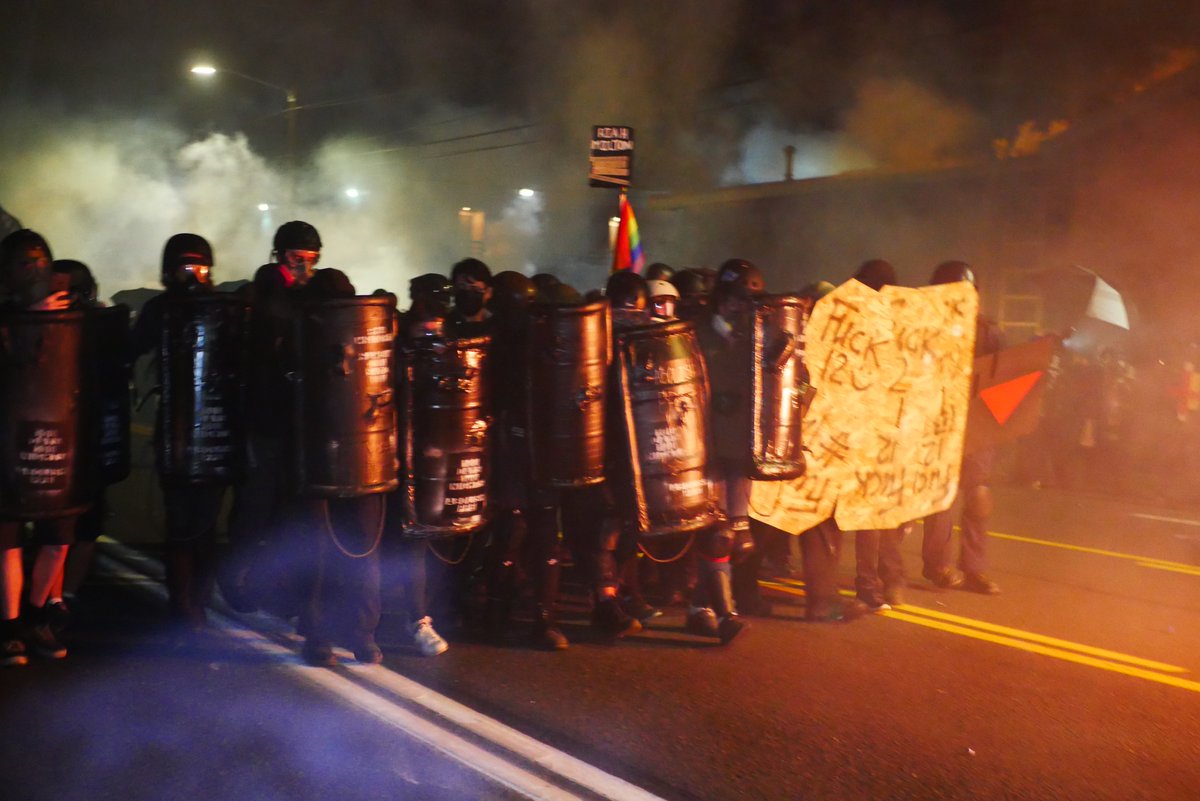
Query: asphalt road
(1081,680)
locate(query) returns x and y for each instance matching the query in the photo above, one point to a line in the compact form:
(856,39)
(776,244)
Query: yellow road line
(1191,571)
(1005,635)
(1097,551)
(1055,653)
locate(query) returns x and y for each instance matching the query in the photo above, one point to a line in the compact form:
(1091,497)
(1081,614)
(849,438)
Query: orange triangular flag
(1003,399)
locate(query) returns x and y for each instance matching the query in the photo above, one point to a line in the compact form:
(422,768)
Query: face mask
(468,301)
(300,264)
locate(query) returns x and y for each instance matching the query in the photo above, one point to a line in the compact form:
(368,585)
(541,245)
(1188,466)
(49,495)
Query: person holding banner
(974,494)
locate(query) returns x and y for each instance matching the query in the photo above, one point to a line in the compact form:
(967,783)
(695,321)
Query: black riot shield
(106,404)
(663,393)
(445,436)
(779,380)
(200,416)
(568,362)
(41,378)
(346,412)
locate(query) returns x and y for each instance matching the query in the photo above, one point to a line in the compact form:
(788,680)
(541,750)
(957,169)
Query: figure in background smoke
(974,494)
(879,568)
(8,223)
(192,502)
(26,284)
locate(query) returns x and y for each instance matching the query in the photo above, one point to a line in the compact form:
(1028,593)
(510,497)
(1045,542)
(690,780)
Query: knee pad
(978,503)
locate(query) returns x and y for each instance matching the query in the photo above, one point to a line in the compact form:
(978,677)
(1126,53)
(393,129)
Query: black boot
(611,620)
(546,634)
(720,590)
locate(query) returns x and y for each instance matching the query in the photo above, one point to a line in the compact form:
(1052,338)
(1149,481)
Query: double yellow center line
(1029,641)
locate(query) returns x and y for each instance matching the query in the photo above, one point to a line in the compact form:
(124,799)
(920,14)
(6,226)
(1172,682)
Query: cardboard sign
(1007,394)
(892,372)
(611,161)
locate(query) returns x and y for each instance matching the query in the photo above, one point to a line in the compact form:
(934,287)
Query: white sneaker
(428,641)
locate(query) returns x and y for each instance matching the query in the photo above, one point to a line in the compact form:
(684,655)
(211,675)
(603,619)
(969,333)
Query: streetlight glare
(204,69)
(351,193)
(263,207)
(526,192)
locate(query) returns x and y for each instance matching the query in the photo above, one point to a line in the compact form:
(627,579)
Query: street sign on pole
(611,162)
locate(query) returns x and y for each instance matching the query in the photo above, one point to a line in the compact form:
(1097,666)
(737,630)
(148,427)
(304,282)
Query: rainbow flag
(627,251)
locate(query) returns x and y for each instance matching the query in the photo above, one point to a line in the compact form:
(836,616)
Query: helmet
(544,282)
(182,251)
(661,289)
(950,272)
(512,293)
(81,282)
(738,277)
(816,290)
(296,235)
(876,273)
(330,283)
(560,295)
(25,264)
(627,290)
(471,269)
(690,283)
(659,272)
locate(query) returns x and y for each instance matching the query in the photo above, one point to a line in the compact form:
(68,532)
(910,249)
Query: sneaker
(428,641)
(730,627)
(875,603)
(836,610)
(978,582)
(944,579)
(638,608)
(702,622)
(318,653)
(612,620)
(42,642)
(12,653)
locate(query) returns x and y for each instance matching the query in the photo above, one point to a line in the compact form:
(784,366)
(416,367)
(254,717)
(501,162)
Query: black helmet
(296,235)
(690,283)
(560,295)
(627,290)
(183,249)
(472,269)
(80,281)
(512,293)
(659,272)
(876,273)
(738,277)
(950,272)
(25,264)
(330,283)
(544,282)
(431,292)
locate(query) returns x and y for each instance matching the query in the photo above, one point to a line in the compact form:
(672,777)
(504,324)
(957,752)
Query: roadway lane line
(558,763)
(1183,521)
(1029,641)
(1098,551)
(1190,571)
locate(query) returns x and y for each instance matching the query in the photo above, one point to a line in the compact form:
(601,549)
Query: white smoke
(110,194)
(761,156)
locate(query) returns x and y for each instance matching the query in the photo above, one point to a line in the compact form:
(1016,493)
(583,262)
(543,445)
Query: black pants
(342,583)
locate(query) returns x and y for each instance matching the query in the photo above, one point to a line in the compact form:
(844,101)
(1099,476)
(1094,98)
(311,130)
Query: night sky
(110,145)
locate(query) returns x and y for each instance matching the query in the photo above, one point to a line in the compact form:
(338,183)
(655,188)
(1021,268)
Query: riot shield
(346,414)
(567,372)
(662,398)
(779,381)
(445,436)
(106,404)
(200,416)
(40,383)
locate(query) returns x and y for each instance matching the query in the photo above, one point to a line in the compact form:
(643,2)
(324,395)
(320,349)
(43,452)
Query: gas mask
(300,263)
(469,302)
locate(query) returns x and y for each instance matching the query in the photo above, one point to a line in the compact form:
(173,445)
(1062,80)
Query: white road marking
(1183,521)
(491,765)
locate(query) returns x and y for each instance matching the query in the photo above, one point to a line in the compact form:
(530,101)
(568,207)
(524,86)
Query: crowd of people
(334,557)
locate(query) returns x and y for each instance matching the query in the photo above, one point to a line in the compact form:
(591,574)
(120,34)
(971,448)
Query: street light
(209,70)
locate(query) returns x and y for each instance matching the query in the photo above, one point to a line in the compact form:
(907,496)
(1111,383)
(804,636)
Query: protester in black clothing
(26,284)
